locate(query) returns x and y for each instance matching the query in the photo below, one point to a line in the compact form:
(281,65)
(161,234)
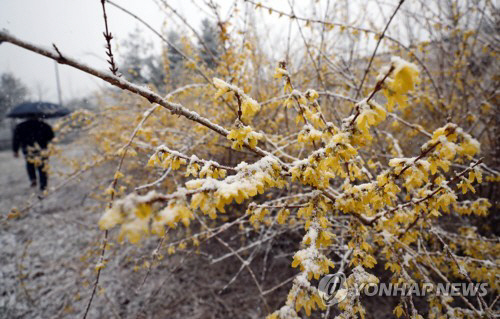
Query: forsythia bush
(394,205)
(325,167)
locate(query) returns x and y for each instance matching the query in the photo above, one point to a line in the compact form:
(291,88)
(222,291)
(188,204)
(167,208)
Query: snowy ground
(38,270)
(48,254)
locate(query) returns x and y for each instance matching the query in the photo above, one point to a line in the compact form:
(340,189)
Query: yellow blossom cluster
(478,207)
(249,181)
(257,215)
(325,163)
(311,260)
(176,211)
(402,79)
(302,295)
(311,95)
(373,202)
(192,169)
(452,140)
(244,135)
(249,106)
(165,159)
(475,262)
(282,216)
(137,216)
(309,135)
(280,73)
(370,114)
(348,296)
(309,301)
(313,264)
(308,109)
(320,264)
(211,170)
(362,251)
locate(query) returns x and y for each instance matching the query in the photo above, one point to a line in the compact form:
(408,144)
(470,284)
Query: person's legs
(42,173)
(30,167)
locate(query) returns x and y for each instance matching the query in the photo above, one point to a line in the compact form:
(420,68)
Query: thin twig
(376,48)
(154,255)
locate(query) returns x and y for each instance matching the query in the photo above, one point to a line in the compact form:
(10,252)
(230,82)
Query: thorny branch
(108,36)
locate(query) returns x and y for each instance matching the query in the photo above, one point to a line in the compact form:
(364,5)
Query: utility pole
(58,83)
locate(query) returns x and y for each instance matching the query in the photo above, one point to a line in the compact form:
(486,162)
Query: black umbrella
(38,109)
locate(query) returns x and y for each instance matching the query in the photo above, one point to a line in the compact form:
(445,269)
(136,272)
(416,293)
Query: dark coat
(30,132)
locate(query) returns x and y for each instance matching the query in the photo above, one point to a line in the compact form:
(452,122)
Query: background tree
(12,92)
(141,64)
(174,58)
(210,47)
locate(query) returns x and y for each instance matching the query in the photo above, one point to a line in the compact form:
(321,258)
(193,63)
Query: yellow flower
(309,135)
(143,211)
(476,173)
(370,114)
(445,200)
(403,79)
(249,107)
(465,185)
(279,73)
(282,216)
(154,160)
(243,135)
(405,75)
(111,217)
(311,95)
(134,230)
(192,169)
(469,146)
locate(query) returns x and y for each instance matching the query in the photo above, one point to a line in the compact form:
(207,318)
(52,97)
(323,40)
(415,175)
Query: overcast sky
(76,27)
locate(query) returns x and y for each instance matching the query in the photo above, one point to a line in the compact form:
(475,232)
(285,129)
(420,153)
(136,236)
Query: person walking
(33,136)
